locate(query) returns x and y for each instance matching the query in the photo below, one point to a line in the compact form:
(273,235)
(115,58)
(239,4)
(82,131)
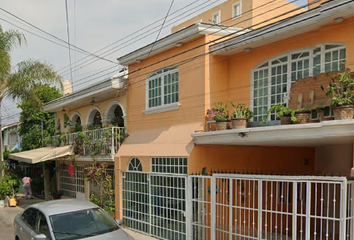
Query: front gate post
(260,201)
(213,207)
(189,208)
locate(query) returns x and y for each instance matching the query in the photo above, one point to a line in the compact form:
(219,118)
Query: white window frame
(285,96)
(216,18)
(163,107)
(236,5)
(164,165)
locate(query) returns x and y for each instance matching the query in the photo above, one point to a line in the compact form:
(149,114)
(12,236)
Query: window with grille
(236,9)
(215,18)
(271,80)
(162,87)
(176,165)
(135,165)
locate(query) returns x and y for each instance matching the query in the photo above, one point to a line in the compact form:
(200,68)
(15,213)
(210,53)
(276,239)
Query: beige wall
(84,112)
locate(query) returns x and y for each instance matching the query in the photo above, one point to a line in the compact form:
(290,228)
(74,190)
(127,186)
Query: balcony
(102,143)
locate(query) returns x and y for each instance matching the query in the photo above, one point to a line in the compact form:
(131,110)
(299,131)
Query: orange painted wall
(284,160)
(253,13)
(239,66)
(266,12)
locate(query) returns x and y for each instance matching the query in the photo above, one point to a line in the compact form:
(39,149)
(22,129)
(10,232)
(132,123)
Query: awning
(173,141)
(41,154)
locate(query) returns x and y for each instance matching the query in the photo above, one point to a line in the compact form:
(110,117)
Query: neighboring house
(96,112)
(178,181)
(11,139)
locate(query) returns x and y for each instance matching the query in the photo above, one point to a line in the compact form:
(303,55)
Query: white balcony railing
(98,142)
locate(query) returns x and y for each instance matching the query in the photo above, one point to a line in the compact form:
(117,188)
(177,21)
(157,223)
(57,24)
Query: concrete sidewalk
(7,215)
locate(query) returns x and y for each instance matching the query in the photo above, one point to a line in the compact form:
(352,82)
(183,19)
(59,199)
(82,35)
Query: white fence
(155,204)
(234,206)
(227,206)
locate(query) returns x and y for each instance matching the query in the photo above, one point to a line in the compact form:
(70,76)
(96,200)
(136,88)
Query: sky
(106,28)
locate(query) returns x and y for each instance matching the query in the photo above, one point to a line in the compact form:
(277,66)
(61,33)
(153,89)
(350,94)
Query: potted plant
(286,115)
(341,92)
(240,116)
(320,112)
(302,115)
(221,116)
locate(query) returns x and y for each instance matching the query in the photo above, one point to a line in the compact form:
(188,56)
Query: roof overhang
(101,91)
(41,154)
(297,135)
(298,24)
(182,36)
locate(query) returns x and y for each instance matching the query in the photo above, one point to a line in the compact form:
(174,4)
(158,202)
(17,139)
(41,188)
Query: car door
(28,224)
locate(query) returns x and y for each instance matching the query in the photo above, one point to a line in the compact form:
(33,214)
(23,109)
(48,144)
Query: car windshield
(81,224)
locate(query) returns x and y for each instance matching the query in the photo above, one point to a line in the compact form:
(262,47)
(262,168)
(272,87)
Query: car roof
(62,206)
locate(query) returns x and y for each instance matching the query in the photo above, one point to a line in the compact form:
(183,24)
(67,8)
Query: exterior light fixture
(179,44)
(138,61)
(247,49)
(63,110)
(338,19)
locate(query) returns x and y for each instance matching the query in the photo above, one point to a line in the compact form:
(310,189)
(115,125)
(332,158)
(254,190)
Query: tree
(20,83)
(37,124)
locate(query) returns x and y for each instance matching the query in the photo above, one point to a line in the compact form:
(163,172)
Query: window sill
(160,109)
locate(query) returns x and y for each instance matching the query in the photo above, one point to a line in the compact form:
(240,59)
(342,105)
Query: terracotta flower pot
(343,112)
(222,125)
(285,120)
(238,123)
(302,117)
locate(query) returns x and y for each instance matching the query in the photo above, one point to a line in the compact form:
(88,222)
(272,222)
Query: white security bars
(227,206)
(155,204)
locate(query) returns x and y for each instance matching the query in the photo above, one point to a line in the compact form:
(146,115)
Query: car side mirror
(119,222)
(40,237)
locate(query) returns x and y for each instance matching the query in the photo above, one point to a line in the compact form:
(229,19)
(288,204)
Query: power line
(53,36)
(226,36)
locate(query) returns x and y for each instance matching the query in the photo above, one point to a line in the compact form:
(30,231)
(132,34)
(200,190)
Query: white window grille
(176,165)
(162,88)
(135,165)
(271,80)
(236,9)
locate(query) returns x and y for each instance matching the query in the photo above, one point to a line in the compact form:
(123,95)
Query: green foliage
(281,111)
(33,116)
(341,88)
(220,111)
(9,185)
(241,111)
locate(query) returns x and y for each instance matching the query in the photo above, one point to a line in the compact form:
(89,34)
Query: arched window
(135,165)
(272,79)
(77,123)
(162,87)
(117,119)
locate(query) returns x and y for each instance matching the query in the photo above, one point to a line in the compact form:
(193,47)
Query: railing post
(213,208)
(231,194)
(343,209)
(189,208)
(260,201)
(294,227)
(308,210)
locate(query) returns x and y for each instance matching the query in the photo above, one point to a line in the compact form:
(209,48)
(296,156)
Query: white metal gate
(72,186)
(155,204)
(233,206)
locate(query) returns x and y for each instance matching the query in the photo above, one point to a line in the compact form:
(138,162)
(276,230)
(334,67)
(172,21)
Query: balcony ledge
(297,135)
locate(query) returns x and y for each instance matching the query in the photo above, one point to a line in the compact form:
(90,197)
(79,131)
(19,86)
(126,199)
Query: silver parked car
(66,220)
